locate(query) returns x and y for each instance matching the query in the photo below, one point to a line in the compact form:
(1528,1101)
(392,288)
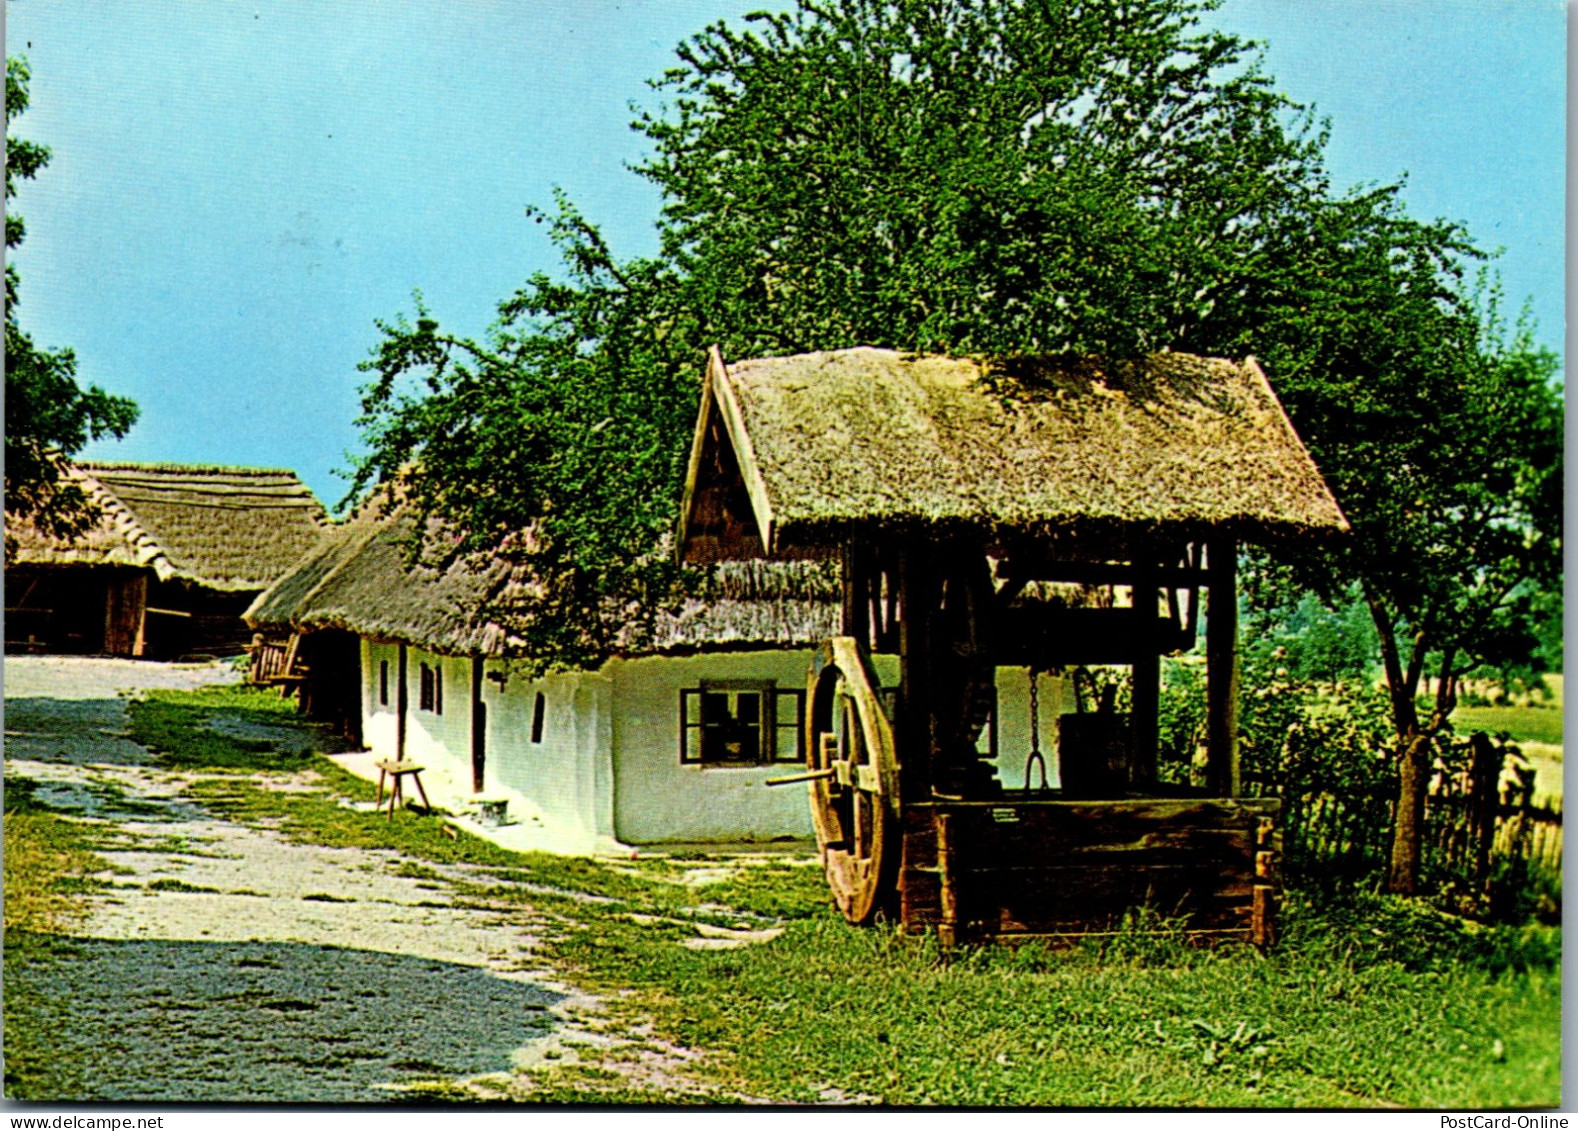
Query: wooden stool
(398,771)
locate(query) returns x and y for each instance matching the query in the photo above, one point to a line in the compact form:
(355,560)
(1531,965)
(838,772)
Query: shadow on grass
(165,1021)
(70,731)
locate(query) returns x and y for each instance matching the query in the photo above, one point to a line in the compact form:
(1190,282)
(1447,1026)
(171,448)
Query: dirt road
(224,963)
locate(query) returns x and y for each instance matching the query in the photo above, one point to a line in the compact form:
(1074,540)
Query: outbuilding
(176,554)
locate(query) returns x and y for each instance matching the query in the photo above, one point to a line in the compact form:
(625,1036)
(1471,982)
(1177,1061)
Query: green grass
(170,884)
(47,859)
(1367,1002)
(1524,724)
(178,727)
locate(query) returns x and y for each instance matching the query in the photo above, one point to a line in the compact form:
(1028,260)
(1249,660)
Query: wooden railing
(272,660)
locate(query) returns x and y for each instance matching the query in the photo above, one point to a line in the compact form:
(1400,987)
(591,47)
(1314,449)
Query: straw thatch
(792,453)
(226,528)
(361,579)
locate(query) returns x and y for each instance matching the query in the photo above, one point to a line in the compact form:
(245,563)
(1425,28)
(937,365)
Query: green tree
(48,416)
(1002,177)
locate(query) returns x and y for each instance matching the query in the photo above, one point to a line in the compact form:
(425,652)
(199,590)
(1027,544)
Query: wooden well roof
(792,454)
(226,528)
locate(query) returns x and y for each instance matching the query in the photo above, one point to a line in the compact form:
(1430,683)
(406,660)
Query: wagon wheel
(855,790)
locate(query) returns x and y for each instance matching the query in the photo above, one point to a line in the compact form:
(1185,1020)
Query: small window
(538,710)
(740,723)
(430,692)
(383,683)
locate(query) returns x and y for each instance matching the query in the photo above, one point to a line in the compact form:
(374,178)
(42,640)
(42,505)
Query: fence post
(1484,777)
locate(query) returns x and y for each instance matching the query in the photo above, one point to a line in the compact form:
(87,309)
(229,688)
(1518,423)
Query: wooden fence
(271,659)
(1479,817)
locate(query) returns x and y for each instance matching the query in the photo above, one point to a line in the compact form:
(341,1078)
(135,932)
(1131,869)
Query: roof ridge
(201,468)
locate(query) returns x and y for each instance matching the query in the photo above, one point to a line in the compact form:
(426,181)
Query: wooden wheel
(855,787)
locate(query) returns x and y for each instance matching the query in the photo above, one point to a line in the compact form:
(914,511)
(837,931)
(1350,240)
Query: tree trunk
(1408,824)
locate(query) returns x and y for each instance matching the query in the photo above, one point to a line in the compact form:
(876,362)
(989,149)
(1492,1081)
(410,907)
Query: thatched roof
(360,579)
(791,453)
(227,528)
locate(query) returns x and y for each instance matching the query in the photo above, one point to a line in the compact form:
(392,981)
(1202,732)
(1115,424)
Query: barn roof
(227,528)
(790,453)
(360,579)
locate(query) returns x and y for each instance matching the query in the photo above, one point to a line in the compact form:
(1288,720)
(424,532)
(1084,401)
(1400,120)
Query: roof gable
(877,439)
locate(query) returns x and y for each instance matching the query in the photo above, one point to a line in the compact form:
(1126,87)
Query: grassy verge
(185,729)
(47,860)
(1368,1002)
(1524,724)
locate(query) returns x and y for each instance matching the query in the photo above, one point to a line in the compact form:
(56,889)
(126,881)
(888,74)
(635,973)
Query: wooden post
(1263,907)
(948,924)
(1146,697)
(856,611)
(1221,659)
(125,615)
(479,726)
(401,703)
(912,729)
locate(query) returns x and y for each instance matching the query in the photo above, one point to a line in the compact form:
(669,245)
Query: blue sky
(239,190)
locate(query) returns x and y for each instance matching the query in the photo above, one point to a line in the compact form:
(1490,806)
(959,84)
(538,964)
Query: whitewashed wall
(607,765)
(1013,726)
(568,774)
(433,737)
(378,721)
(656,798)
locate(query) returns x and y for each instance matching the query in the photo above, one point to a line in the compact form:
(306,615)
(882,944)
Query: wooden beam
(1221,659)
(1102,573)
(1146,684)
(912,723)
(479,726)
(1035,635)
(854,563)
(401,703)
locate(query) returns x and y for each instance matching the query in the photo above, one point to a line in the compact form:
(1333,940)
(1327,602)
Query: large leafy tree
(48,416)
(1002,177)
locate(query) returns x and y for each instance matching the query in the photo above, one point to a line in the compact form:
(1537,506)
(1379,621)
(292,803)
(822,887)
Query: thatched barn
(1040,516)
(669,741)
(177,553)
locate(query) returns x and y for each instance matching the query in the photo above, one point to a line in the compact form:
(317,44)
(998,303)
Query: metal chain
(1035,760)
(1035,711)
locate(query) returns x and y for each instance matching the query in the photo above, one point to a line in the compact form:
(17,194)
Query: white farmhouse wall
(567,774)
(655,798)
(379,721)
(433,737)
(1013,726)
(607,765)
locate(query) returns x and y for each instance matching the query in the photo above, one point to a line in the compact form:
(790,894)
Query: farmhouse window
(383,683)
(538,710)
(430,694)
(740,723)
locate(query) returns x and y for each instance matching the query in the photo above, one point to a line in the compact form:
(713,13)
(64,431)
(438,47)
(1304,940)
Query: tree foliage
(48,416)
(1000,177)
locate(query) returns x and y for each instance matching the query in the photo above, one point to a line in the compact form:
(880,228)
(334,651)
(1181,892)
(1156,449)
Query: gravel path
(225,963)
